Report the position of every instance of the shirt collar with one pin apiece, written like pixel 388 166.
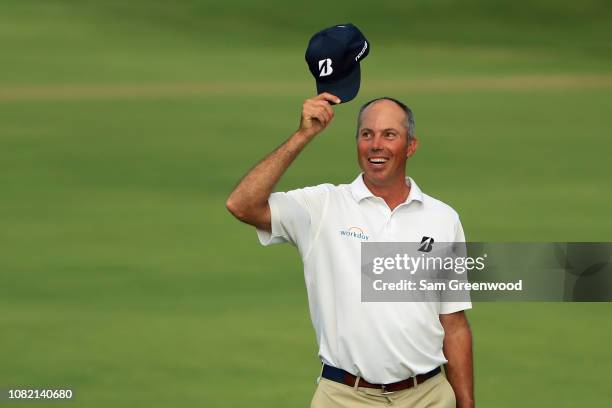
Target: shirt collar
pixel 361 191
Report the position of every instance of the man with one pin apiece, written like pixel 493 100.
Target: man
pixel 373 354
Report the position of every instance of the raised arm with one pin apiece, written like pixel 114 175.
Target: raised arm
pixel 249 200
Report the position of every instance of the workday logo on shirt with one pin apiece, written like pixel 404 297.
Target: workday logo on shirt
pixel 354 232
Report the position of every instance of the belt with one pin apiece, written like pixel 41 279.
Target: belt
pixel 344 377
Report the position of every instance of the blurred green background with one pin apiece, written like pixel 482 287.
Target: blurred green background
pixel 124 126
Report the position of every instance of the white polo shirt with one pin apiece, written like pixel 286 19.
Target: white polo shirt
pixel 382 342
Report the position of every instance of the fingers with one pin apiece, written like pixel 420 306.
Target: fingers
pixel 319 109
pixel 325 109
pixel 323 117
pixel 326 96
pixel 317 113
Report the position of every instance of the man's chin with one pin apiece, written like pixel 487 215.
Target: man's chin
pixel 378 178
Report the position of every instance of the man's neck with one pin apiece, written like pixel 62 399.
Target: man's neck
pixel 394 193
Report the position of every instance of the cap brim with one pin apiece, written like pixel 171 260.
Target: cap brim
pixel 346 88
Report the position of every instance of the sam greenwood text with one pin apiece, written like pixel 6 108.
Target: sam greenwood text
pixel 453 285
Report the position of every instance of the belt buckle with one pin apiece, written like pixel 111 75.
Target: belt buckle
pixel 384 391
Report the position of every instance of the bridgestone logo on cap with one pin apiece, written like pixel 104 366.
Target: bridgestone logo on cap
pixel 325 67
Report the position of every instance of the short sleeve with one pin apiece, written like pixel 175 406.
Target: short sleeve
pixel 294 215
pixel 452 307
pixel 459 234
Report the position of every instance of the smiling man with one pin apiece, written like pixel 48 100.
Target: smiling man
pixel 372 354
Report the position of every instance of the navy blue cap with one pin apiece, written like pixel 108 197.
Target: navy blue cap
pixel 333 57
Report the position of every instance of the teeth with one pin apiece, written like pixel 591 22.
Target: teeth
pixel 377 160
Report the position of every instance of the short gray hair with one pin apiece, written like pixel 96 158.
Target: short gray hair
pixel 408 121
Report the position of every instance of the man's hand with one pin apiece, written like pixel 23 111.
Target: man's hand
pixel 317 113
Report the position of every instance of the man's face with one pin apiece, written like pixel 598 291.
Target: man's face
pixel 382 143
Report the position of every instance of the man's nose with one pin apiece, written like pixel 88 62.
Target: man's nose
pixel 376 143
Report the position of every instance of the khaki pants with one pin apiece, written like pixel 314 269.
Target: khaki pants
pixel 433 393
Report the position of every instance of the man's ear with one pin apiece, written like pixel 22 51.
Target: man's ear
pixel 412 146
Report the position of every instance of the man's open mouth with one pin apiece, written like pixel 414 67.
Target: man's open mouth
pixel 378 161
